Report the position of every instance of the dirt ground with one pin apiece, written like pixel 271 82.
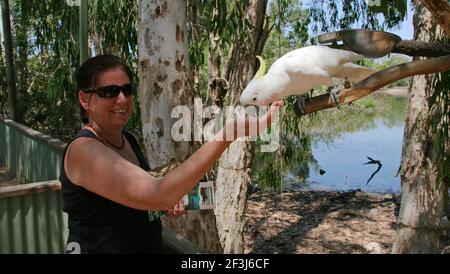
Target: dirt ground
pixel 303 222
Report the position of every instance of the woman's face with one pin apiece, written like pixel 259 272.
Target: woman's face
pixel 111 113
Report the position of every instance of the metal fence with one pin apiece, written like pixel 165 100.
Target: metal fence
pixel 28 154
pixel 31 216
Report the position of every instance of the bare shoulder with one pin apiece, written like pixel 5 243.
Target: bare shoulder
pixel 83 147
pixel 81 156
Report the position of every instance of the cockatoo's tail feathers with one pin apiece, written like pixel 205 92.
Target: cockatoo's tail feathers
pixel 262 68
pixel 353 72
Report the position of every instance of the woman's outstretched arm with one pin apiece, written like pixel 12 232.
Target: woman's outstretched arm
pixel 95 167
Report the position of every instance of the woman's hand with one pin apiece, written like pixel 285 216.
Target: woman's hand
pixel 178 210
pixel 251 126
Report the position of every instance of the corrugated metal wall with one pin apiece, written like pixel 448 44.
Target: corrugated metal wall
pixel 33 224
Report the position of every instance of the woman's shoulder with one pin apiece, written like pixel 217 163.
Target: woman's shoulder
pixel 84 140
pixel 85 144
pixel 82 136
pixel 84 147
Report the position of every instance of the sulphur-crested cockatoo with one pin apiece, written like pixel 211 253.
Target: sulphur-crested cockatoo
pixel 299 71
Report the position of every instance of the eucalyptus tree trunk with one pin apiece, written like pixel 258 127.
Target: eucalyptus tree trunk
pixel 163 75
pixel 217 84
pixel 440 10
pixel 1 34
pixel 20 33
pixel 165 83
pixel 9 61
pixel 233 173
pixel 95 44
pixel 422 203
pixel 2 65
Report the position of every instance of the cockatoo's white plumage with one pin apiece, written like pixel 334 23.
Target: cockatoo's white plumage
pixel 302 69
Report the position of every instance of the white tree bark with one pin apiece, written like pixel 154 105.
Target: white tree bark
pixel 233 177
pixel 163 75
pixel 422 203
pixel 164 84
pixel 233 173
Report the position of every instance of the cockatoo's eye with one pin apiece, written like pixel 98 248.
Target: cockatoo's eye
pixel 254 99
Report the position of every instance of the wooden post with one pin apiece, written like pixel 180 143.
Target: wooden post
pixel 83 31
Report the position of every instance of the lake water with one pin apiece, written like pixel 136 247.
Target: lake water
pixel 343 161
pixel 343 157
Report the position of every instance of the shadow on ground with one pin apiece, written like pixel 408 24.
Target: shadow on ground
pixel 321 222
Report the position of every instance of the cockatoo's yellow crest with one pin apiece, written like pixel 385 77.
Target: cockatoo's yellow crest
pixel 262 68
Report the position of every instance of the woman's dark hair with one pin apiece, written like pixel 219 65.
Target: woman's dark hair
pixel 87 75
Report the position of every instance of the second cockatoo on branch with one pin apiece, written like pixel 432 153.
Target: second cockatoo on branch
pixel 300 70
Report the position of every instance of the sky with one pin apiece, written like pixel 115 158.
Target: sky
pixel 406 30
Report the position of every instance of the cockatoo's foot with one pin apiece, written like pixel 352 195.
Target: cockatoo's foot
pixel 347 84
pixel 301 104
pixel 334 95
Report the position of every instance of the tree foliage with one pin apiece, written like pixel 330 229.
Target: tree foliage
pixel 219 17
pixel 47 55
pixel 329 15
pixel 439 120
pixel 113 24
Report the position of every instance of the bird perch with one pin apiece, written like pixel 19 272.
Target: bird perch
pixel 377 81
pixel 413 48
pixel 419 48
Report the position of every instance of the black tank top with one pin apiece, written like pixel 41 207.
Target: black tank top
pixel 99 225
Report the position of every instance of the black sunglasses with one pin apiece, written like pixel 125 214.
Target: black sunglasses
pixel 111 91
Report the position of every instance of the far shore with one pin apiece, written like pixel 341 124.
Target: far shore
pixel 395 91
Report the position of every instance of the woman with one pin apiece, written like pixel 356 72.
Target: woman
pixel 107 192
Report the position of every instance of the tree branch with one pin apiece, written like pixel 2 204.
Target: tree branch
pixel 413 48
pixel 419 48
pixel 377 81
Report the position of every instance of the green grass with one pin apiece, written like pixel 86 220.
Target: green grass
pixel 367 103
